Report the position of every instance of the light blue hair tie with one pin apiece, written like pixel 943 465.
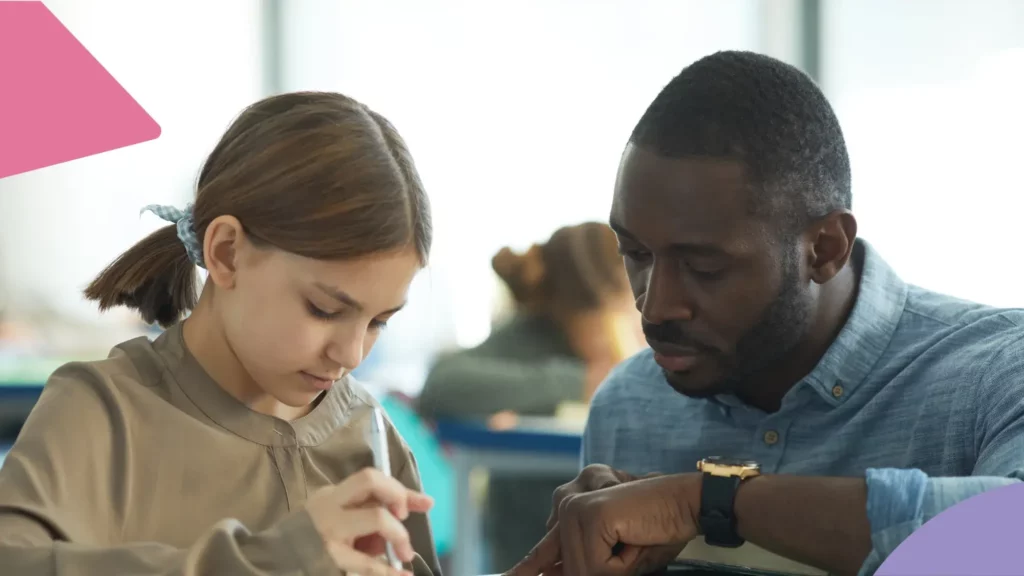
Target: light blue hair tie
pixel 186 229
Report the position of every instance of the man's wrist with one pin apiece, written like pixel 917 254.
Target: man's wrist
pixel 746 493
pixel 687 493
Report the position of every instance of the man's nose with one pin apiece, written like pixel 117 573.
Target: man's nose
pixel 666 297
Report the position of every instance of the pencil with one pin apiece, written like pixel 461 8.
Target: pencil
pixel 382 462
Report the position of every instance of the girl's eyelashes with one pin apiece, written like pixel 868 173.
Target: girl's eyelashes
pixel 320 313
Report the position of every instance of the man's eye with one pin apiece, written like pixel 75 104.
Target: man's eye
pixel 636 255
pixel 707 273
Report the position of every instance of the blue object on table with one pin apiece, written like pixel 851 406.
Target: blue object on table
pixel 16 402
pixel 521 439
pixel 20 390
pixel 435 472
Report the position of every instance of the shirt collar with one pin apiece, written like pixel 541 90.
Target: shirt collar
pixel 226 411
pixel 881 298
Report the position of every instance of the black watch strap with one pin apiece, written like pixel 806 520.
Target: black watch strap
pixel 717 518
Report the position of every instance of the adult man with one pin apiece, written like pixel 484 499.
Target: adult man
pixel 868 404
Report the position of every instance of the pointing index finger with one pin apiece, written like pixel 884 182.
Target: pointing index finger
pixel 542 558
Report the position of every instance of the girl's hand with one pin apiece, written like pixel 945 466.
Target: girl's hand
pixel 362 513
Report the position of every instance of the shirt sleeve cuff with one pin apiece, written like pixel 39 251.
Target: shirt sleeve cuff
pixel 895 497
pixel 895 509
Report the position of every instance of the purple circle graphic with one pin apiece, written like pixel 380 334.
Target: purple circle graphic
pixel 980 536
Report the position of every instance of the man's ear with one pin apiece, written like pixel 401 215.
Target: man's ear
pixel 831 240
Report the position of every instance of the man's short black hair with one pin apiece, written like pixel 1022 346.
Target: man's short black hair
pixel 764 113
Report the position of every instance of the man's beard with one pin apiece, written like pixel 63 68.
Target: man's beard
pixel 781 327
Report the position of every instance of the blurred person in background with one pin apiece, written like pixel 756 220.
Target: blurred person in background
pixel 574 320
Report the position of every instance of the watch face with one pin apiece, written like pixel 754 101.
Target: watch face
pixel 723 461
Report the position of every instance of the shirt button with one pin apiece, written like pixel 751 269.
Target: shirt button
pixel 837 390
pixel 771 437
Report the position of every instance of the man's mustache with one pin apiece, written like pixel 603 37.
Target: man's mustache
pixel 673 333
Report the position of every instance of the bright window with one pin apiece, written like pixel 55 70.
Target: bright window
pixel 930 93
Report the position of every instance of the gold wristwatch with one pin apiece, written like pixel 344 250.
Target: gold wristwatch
pixel 722 477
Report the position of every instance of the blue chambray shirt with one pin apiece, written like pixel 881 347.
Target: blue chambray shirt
pixel 922 394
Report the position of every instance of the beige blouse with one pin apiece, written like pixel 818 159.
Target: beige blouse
pixel 141 464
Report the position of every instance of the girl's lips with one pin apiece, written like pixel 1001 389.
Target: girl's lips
pixel 318 382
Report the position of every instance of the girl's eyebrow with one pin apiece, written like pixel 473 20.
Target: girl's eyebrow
pixel 344 298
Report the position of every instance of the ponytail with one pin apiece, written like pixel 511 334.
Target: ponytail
pixel 154 277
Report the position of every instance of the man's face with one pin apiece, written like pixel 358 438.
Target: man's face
pixel 721 296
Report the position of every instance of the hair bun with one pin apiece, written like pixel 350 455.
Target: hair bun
pixel 522 273
pixel 506 264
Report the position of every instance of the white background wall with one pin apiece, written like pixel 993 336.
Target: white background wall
pixel 192 64
pixel 930 93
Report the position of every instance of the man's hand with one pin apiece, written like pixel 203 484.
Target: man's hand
pixel 626 529
pixel 591 478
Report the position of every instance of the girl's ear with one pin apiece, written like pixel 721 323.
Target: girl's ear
pixel 221 245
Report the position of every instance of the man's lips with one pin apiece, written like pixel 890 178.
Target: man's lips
pixel 675 358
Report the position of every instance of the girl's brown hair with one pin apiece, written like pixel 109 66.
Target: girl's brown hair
pixel 576 270
pixel 313 173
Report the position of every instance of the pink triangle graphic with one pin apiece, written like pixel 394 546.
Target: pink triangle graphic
pixel 57 103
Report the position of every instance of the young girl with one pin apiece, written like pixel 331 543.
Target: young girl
pixel 234 443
